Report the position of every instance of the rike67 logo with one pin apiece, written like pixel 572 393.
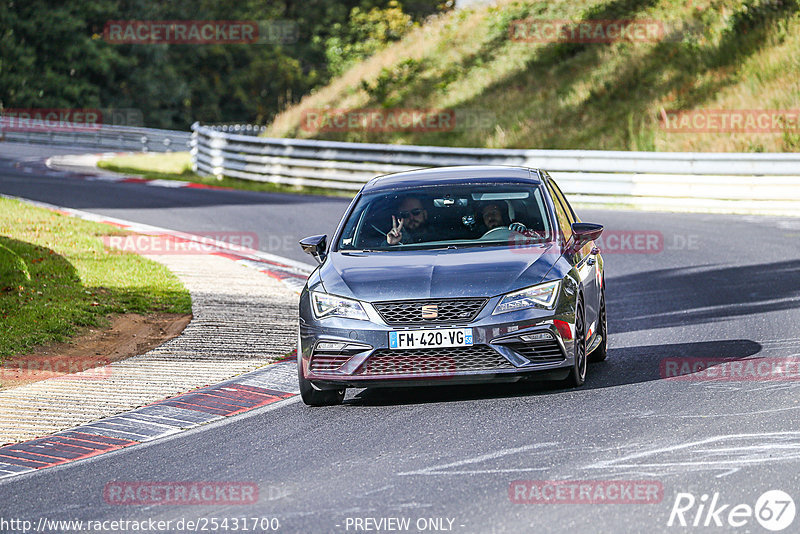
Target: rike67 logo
pixel 774 510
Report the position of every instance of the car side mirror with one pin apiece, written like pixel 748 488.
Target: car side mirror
pixel 583 232
pixel 315 245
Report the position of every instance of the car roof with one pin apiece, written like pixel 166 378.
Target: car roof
pixel 476 174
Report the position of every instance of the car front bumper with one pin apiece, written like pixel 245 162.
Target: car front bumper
pixel 498 353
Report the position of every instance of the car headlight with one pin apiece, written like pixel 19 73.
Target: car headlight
pixel 539 296
pixel 325 305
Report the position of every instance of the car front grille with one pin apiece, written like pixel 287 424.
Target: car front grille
pixel 439 361
pixel 539 352
pixel 409 312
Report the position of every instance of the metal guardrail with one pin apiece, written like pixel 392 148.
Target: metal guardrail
pixel 742 182
pixel 708 182
pixel 117 138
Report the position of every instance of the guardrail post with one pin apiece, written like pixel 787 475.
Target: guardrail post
pixel 217 153
pixel 193 147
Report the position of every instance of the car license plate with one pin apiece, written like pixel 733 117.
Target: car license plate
pixel 425 339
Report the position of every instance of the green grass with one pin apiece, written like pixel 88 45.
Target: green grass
pixel 178 166
pixel 171 165
pixel 717 54
pixel 56 276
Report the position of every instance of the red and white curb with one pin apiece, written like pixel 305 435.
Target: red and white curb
pixel 84 166
pixel 271 384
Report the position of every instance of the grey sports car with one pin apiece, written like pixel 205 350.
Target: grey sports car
pixel 449 276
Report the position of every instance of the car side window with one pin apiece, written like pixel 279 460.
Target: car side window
pixel 564 222
pixel 570 214
pixel 563 199
pixel 567 205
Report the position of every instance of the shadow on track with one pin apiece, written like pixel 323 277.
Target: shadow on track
pixel 678 297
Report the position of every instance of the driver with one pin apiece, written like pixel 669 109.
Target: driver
pixel 493 215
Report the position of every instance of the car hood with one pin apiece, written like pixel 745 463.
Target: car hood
pixel 420 274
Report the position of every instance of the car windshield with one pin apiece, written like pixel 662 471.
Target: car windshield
pixel 446 216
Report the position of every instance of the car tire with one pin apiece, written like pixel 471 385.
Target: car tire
pixel 318 397
pixel 601 351
pixel 312 396
pixel 577 374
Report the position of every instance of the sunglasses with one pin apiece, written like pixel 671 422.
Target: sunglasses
pixel 415 212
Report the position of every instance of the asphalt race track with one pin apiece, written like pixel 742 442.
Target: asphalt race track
pixel 709 286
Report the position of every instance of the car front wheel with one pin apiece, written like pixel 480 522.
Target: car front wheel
pixel 577 375
pixel 601 351
pixel 318 397
pixel 312 396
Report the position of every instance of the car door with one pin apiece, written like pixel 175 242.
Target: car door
pixel 583 259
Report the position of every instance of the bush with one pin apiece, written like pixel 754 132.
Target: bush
pixel 365 33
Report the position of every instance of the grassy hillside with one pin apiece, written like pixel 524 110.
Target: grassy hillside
pixel 715 54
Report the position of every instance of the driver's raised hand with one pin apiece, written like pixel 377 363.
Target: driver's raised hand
pixel 395 235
